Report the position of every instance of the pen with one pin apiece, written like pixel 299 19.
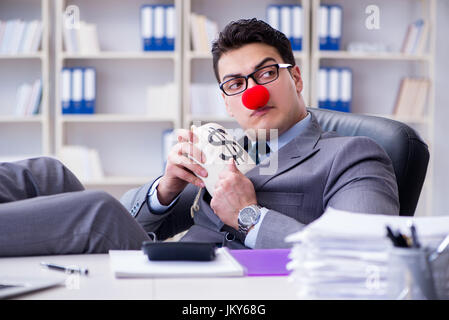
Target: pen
pixel 392 237
pixel 416 243
pixel 398 240
pixel 66 269
pixel 441 247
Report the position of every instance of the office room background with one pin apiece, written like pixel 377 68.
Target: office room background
pixel 85 82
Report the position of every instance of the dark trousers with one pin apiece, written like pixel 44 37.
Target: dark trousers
pixel 44 210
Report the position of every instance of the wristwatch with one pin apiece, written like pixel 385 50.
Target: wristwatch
pixel 248 217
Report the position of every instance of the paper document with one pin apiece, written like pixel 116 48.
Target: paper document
pixel 135 264
pixel 344 255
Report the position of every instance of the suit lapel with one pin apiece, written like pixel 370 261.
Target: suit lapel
pixel 296 151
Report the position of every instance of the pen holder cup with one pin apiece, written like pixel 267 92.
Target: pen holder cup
pixel 412 276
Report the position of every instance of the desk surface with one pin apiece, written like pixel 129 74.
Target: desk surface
pixel 101 283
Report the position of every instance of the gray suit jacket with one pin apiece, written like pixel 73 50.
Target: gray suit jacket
pixel 315 170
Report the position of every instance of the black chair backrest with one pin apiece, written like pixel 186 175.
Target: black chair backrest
pixel 407 151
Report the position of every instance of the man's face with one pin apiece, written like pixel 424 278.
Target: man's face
pixel 283 109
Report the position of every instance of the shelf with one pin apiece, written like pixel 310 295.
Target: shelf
pixel 370 56
pixel 37 55
pixel 119 181
pixel 106 118
pixel 20 119
pixel 122 55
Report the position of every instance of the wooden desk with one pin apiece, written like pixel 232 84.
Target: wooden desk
pixel 101 283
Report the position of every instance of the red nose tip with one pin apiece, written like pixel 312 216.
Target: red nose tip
pixel 255 97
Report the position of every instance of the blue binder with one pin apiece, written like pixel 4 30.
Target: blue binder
pixel 333 91
pixel 170 27
pixel 335 27
pixel 345 89
pixel 159 27
pixel 323 87
pixel 66 90
pixel 89 90
pixel 76 105
pixel 147 27
pixel 297 27
pixel 323 29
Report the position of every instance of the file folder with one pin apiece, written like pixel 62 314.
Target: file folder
pixel 89 91
pixel 170 27
pixel 263 262
pixel 66 75
pixel 147 27
pixel 286 22
pixel 297 22
pixel 77 90
pixel 333 88
pixel 345 89
pixel 323 27
pixel 323 88
pixel 273 16
pixel 335 23
pixel 159 28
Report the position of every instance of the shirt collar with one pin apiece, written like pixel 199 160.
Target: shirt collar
pixel 291 133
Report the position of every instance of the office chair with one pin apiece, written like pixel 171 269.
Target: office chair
pixel 407 151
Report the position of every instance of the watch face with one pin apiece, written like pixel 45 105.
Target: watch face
pixel 248 216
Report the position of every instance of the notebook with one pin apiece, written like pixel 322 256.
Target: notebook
pixel 135 264
pixel 263 262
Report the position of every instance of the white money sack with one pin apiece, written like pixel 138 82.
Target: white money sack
pixel 219 147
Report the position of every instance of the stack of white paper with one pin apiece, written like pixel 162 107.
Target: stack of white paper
pixel 344 255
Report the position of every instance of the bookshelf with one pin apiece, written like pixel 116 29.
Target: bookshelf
pixel 24 136
pixel 197 66
pixel 387 67
pixel 127 138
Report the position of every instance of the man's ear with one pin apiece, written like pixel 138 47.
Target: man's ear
pixel 296 75
pixel 228 109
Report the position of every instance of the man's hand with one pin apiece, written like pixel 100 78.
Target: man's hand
pixel 180 169
pixel 233 192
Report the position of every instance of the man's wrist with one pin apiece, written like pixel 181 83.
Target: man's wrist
pixel 154 204
pixel 165 196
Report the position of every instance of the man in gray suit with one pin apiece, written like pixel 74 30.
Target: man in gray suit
pixel 315 169
pixel 45 210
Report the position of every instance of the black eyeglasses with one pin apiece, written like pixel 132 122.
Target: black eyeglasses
pixel 263 75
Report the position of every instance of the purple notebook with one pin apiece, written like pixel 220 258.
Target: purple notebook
pixel 263 262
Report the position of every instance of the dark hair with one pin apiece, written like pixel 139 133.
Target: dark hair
pixel 244 31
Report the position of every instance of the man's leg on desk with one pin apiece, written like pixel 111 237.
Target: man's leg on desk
pixel 45 210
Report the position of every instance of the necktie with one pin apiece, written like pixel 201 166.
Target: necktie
pixel 253 150
pixel 260 153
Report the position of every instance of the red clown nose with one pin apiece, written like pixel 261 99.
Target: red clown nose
pixel 255 97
